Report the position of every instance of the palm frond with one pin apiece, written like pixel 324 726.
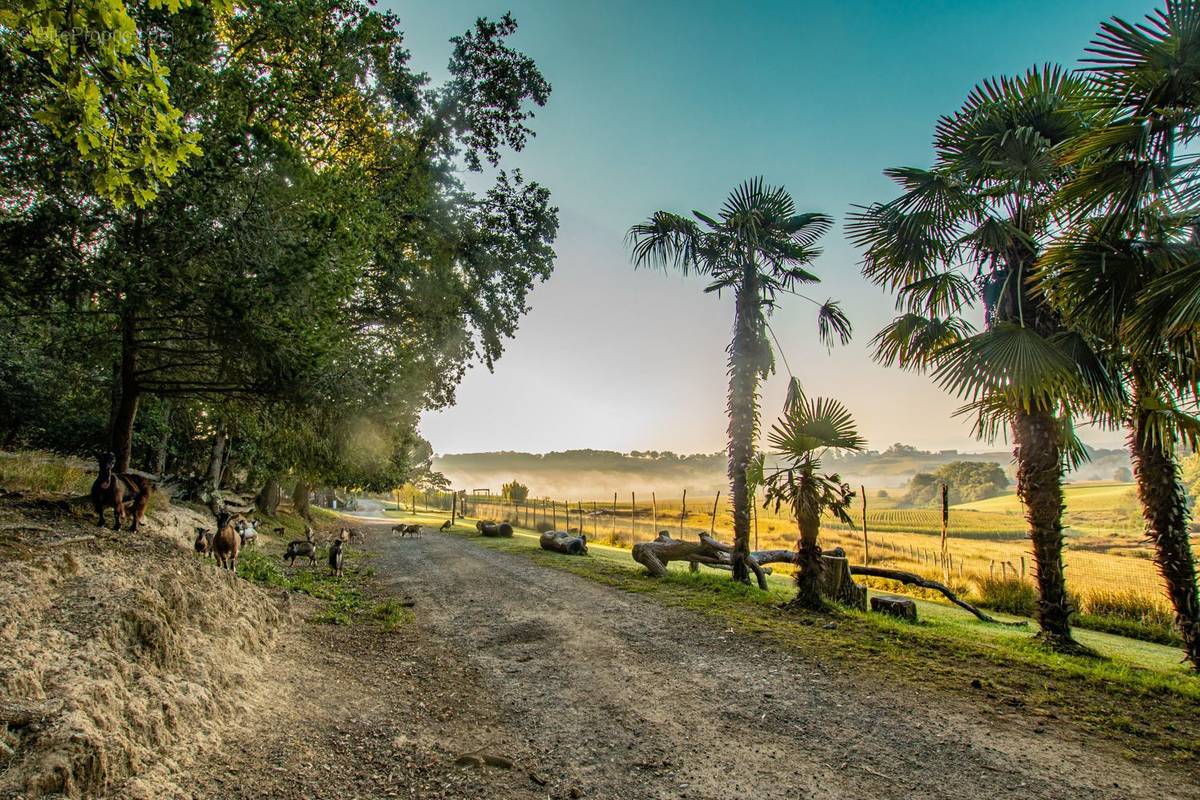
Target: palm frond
pixel 1009 361
pixel 832 323
pixel 811 425
pixel 667 240
pixel 913 341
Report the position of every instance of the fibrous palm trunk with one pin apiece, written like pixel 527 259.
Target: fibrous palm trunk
pixel 808 558
pixel 1039 485
pixel 743 418
pixel 1165 508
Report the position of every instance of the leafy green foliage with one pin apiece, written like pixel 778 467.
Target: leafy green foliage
pixel 514 491
pixel 311 280
pixel 90 78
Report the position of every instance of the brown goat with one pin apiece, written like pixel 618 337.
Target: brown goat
pixel 121 490
pixel 226 542
pixel 203 543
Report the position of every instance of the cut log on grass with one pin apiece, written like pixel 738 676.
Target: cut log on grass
pixel 563 542
pixel 899 607
pixel 912 579
pixel 494 529
pixel 655 555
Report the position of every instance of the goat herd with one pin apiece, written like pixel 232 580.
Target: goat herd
pixel 128 494
pixel 235 532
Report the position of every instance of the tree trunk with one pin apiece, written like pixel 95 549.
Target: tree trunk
pixel 267 500
pixel 216 460
pixel 127 401
pixel 1164 506
pixel 743 415
pixel 300 498
pixel 808 560
pixel 1039 485
pixel 160 452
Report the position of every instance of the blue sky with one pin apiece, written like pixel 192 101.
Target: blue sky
pixel 670 105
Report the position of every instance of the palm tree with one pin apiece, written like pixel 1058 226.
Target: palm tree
pixel 807 429
pixel 968 232
pixel 757 247
pixel 1127 272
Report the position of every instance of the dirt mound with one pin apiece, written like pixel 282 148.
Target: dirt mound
pixel 120 655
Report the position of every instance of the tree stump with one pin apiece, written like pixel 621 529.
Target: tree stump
pixel 837 584
pixel 900 607
pixel 564 542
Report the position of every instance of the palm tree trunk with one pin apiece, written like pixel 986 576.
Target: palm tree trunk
pixel 1164 506
pixel 1039 485
pixel 808 561
pixel 743 417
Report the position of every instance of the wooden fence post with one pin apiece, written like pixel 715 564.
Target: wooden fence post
pixel 945 525
pixel 682 513
pixel 712 523
pixel 632 516
pixel 654 506
pixel 612 534
pixel 866 547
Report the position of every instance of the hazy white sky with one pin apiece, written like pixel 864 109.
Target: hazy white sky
pixel 670 105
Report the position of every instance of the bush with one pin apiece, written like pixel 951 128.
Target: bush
pixel 1007 595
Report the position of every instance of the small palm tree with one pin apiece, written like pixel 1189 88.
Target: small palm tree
pixel 757 248
pixel 804 433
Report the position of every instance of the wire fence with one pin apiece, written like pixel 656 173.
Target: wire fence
pixel 977 545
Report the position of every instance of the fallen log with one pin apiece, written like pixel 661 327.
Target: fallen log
pixel 655 555
pixel 912 579
pixel 494 529
pixel 563 542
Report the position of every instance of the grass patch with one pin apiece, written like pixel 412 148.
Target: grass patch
pixel 948 650
pixel 342 599
pixel 391 614
pixel 1008 595
pixel 1129 613
pixel 35 471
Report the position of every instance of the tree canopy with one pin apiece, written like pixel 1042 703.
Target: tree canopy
pixel 312 271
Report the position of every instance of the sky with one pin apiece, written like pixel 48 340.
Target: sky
pixel 670 105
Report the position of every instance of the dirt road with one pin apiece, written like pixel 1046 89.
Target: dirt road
pixel 592 692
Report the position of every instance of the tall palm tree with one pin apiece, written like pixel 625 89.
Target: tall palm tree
pixel 805 432
pixel 757 248
pixel 1128 272
pixel 968 232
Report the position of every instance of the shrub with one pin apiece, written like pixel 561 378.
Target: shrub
pixel 1007 595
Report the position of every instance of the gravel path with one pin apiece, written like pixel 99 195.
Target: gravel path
pixel 593 692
